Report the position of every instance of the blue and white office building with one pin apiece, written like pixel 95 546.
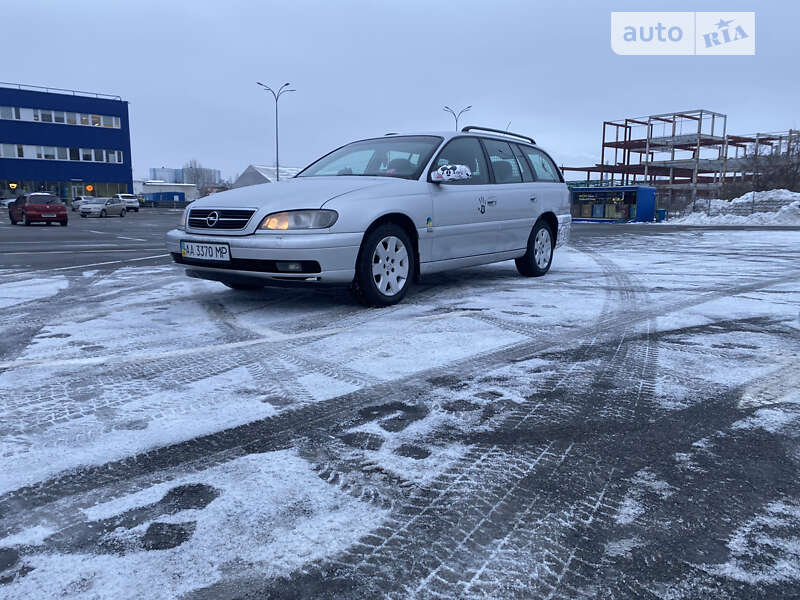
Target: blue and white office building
pixel 67 142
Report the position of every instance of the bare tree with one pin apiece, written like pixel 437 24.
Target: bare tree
pixel 194 172
pixel 765 169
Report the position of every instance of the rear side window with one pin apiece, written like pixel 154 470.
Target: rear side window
pixel 543 168
pixel 504 163
pixel 464 151
pixel 523 163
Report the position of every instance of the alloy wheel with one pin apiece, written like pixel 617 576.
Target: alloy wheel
pixel 542 248
pixel 390 265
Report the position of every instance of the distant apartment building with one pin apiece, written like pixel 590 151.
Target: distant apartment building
pixel 200 176
pixel 67 142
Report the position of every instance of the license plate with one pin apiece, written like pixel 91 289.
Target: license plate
pixel 203 251
pixel 48 216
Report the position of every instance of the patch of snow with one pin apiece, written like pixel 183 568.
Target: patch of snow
pixel 628 511
pixel 273 515
pixel 772 420
pixel 766 549
pixel 786 215
pixel 19 292
pixel 621 548
pixel 30 536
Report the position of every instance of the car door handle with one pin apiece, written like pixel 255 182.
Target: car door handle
pixel 533 198
pixel 491 201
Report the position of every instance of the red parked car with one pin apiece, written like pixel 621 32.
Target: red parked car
pixel 37 207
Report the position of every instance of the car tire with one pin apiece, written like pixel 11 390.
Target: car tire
pixel 26 220
pixel 385 266
pixel 244 287
pixel 12 219
pixel 539 256
pixel 83 216
pixel 63 223
pixel 103 213
pixel 122 213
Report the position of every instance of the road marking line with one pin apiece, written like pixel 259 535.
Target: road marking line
pixel 122 237
pixel 34 252
pixel 109 262
pixel 93 231
pixel 96 360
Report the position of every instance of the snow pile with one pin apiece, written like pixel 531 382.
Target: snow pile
pixel 772 207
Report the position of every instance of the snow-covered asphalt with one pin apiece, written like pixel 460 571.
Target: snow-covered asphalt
pixel 625 427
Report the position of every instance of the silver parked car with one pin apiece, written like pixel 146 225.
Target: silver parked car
pixel 103 207
pixel 380 213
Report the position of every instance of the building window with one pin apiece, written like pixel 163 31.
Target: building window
pixel 61 153
pixel 49 152
pixel 86 154
pixel 20 151
pixel 43 115
pixel 8 150
pixel 99 155
pixel 74 154
pixel 111 156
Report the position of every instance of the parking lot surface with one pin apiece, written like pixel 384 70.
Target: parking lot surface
pixel 624 427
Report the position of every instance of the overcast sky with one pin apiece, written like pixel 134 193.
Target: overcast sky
pixel 360 68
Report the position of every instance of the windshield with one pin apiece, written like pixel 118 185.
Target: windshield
pixel 96 201
pixel 403 157
pixel 43 200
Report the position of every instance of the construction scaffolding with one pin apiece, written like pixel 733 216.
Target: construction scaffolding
pixel 685 155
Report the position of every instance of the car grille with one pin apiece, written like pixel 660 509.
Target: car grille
pixel 226 219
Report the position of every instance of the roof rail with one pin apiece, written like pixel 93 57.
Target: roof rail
pixel 500 131
pixel 39 88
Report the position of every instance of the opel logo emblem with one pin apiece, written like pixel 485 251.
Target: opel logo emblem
pixel 212 218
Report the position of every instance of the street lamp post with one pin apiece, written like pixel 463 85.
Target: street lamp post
pixel 456 115
pixel 276 96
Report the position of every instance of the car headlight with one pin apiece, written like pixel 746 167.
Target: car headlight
pixel 300 219
pixel 183 216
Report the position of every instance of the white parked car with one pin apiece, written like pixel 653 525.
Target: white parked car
pixel 103 207
pixel 78 200
pixel 382 212
pixel 131 202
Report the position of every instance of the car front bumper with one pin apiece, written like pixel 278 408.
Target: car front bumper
pixel 253 257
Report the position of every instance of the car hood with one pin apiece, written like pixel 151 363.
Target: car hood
pixel 294 193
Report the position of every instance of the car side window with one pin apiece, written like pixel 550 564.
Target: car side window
pixel 464 151
pixel 543 167
pixel 504 163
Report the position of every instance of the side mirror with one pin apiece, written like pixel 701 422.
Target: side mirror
pixel 447 173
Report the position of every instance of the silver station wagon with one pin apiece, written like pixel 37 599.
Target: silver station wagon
pixel 378 214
